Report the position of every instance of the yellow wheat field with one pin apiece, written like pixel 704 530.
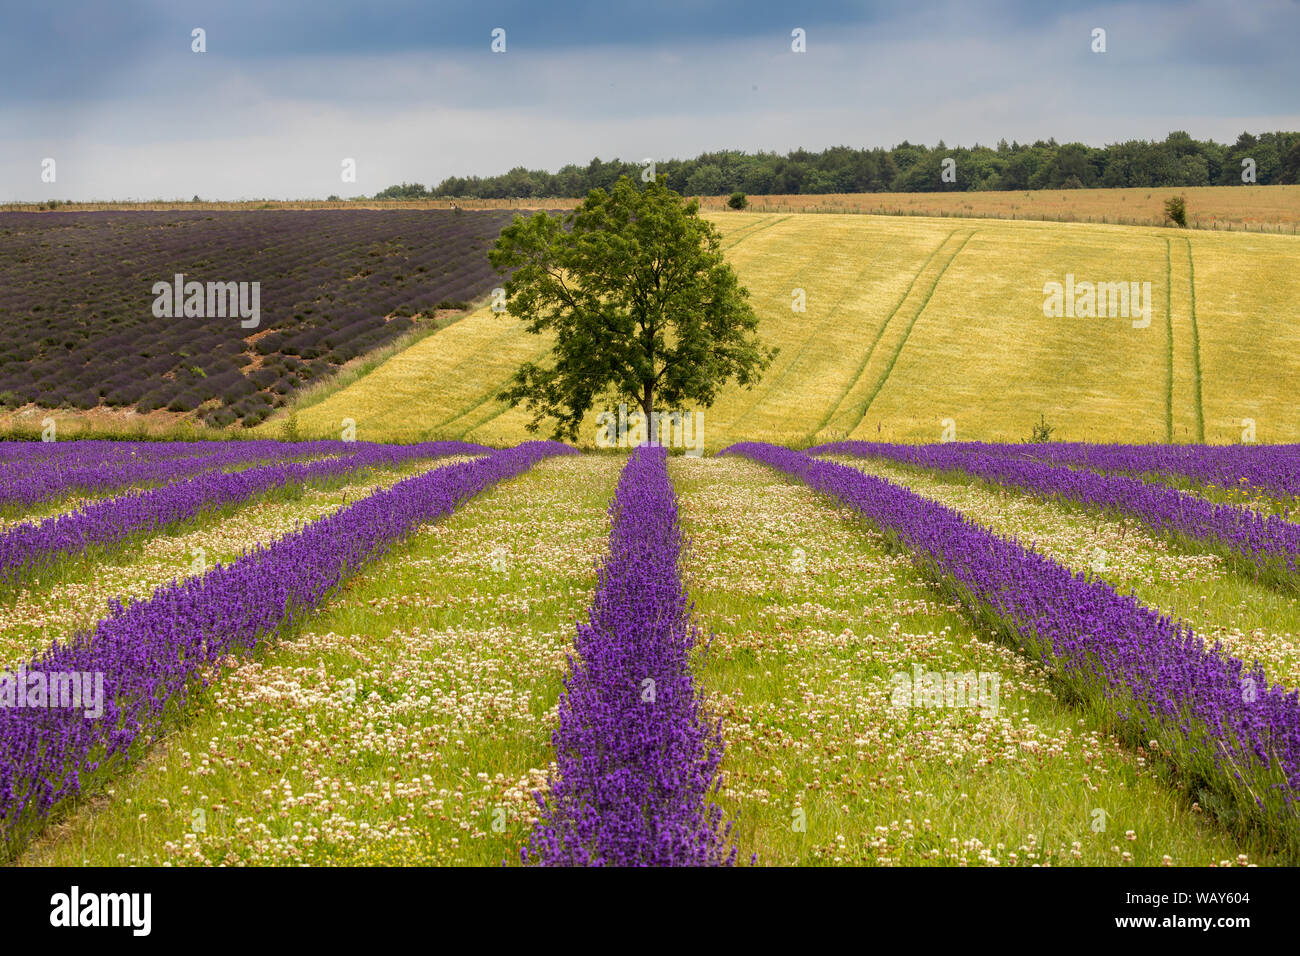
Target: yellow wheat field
pixel 1274 208
pixel 915 329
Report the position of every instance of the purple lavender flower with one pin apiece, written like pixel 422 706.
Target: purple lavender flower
pixel 635 758
pixel 1264 546
pixel 155 654
pixel 1223 725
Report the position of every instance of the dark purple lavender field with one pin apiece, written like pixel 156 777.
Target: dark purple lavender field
pixel 81 318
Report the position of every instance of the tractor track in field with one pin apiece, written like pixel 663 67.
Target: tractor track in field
pixel 812 334
pixel 752 232
pixel 875 342
pixel 489 396
pixel 907 333
pixel 1182 353
pixel 1169 327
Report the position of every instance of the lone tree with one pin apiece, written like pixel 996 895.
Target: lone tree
pixel 642 304
pixel 1176 209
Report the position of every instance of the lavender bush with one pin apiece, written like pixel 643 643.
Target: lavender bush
pixel 1221 724
pixel 156 654
pixel 27 549
pixel 635 758
pixel 96 470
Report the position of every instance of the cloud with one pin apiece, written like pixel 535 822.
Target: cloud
pixel 274 115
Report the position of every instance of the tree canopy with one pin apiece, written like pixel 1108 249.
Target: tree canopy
pixel 641 301
pixel 1179 160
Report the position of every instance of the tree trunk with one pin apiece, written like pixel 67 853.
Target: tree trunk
pixel 647 406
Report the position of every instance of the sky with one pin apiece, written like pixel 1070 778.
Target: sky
pixel 285 93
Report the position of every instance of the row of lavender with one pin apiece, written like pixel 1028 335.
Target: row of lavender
pixel 28 549
pixel 1266 546
pixel 635 758
pixel 99 450
pixel 98 467
pixel 1273 469
pixel 154 655
pixel 1223 725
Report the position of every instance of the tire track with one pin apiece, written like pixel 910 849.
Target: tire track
pixel 893 359
pixel 1196 347
pixel 857 376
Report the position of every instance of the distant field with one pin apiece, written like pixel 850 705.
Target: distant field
pixel 1247 208
pixel 917 325
pixel 249 204
pixel 308 292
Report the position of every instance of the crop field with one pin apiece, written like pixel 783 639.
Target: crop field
pixel 1261 208
pixel 865 621
pixel 917 329
pixel 953 654
pixel 1274 208
pixel 252 305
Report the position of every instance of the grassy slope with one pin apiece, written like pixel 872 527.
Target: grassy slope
pixel 911 321
pixel 1252 620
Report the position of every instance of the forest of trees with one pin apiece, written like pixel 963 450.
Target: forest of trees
pixel 1178 161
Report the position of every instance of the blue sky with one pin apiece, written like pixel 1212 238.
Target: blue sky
pixel 412 91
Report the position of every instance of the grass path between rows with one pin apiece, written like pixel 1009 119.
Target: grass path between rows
pixel 406 724
pixel 1251 620
pixel 811 621
pixel 74 594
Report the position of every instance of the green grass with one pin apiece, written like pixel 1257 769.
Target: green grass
pixel 1252 620
pixel 409 720
pixel 455 661
pixel 804 646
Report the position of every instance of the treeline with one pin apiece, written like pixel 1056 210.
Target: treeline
pixel 1178 161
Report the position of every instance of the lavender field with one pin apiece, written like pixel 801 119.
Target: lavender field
pixel 735 439
pixel 342 653
pixel 257 304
